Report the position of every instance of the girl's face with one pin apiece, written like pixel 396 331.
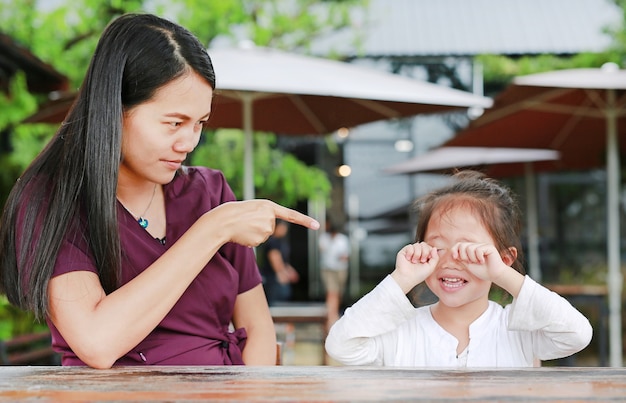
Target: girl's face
pixel 451 282
pixel 158 134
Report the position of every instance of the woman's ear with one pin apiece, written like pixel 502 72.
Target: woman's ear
pixel 509 256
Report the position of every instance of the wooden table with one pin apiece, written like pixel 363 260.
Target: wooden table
pixel 310 384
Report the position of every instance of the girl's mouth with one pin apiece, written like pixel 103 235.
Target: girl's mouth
pixel 452 282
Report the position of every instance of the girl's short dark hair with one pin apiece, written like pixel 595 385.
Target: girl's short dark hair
pixel 492 201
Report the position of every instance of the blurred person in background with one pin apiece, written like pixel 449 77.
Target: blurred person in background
pixel 278 274
pixel 335 255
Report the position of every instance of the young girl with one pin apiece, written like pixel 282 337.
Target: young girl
pixel 467 238
pixel 133 258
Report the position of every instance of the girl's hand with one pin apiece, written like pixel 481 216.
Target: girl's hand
pixel 481 259
pixel 414 263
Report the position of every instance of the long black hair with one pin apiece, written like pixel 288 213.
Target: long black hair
pixel 72 182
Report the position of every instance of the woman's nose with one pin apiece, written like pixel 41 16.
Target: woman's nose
pixel 183 146
pixel 187 142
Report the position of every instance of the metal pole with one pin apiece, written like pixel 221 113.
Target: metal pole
pixel 532 223
pixel 248 148
pixel 317 210
pixel 614 277
pixel 353 214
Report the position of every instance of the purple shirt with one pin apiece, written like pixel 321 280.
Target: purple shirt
pixel 196 330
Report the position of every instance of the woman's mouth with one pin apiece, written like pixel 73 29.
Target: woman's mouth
pixel 173 164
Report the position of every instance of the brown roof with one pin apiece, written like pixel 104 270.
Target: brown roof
pixel 40 76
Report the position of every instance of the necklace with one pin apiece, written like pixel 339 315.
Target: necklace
pixel 143 222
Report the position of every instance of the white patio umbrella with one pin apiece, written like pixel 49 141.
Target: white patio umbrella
pixel 582 114
pixel 448 158
pixel 261 89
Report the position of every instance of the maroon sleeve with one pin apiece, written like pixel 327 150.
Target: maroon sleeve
pixel 74 255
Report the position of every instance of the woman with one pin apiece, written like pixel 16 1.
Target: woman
pixel 131 257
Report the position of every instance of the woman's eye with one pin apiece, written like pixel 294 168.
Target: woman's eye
pixel 176 124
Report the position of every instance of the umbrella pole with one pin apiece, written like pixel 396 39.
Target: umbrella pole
pixel 248 156
pixel 354 263
pixel 614 277
pixel 531 223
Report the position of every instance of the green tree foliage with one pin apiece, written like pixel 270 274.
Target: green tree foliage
pixel 14 321
pixel 499 70
pixel 15 106
pixel 278 176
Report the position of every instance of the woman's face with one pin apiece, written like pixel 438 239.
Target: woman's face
pixel 451 281
pixel 158 134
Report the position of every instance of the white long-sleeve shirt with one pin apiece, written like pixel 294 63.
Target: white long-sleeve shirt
pixel 383 328
pixel 335 251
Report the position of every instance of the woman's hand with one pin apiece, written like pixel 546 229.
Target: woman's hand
pixel 251 222
pixel 414 263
